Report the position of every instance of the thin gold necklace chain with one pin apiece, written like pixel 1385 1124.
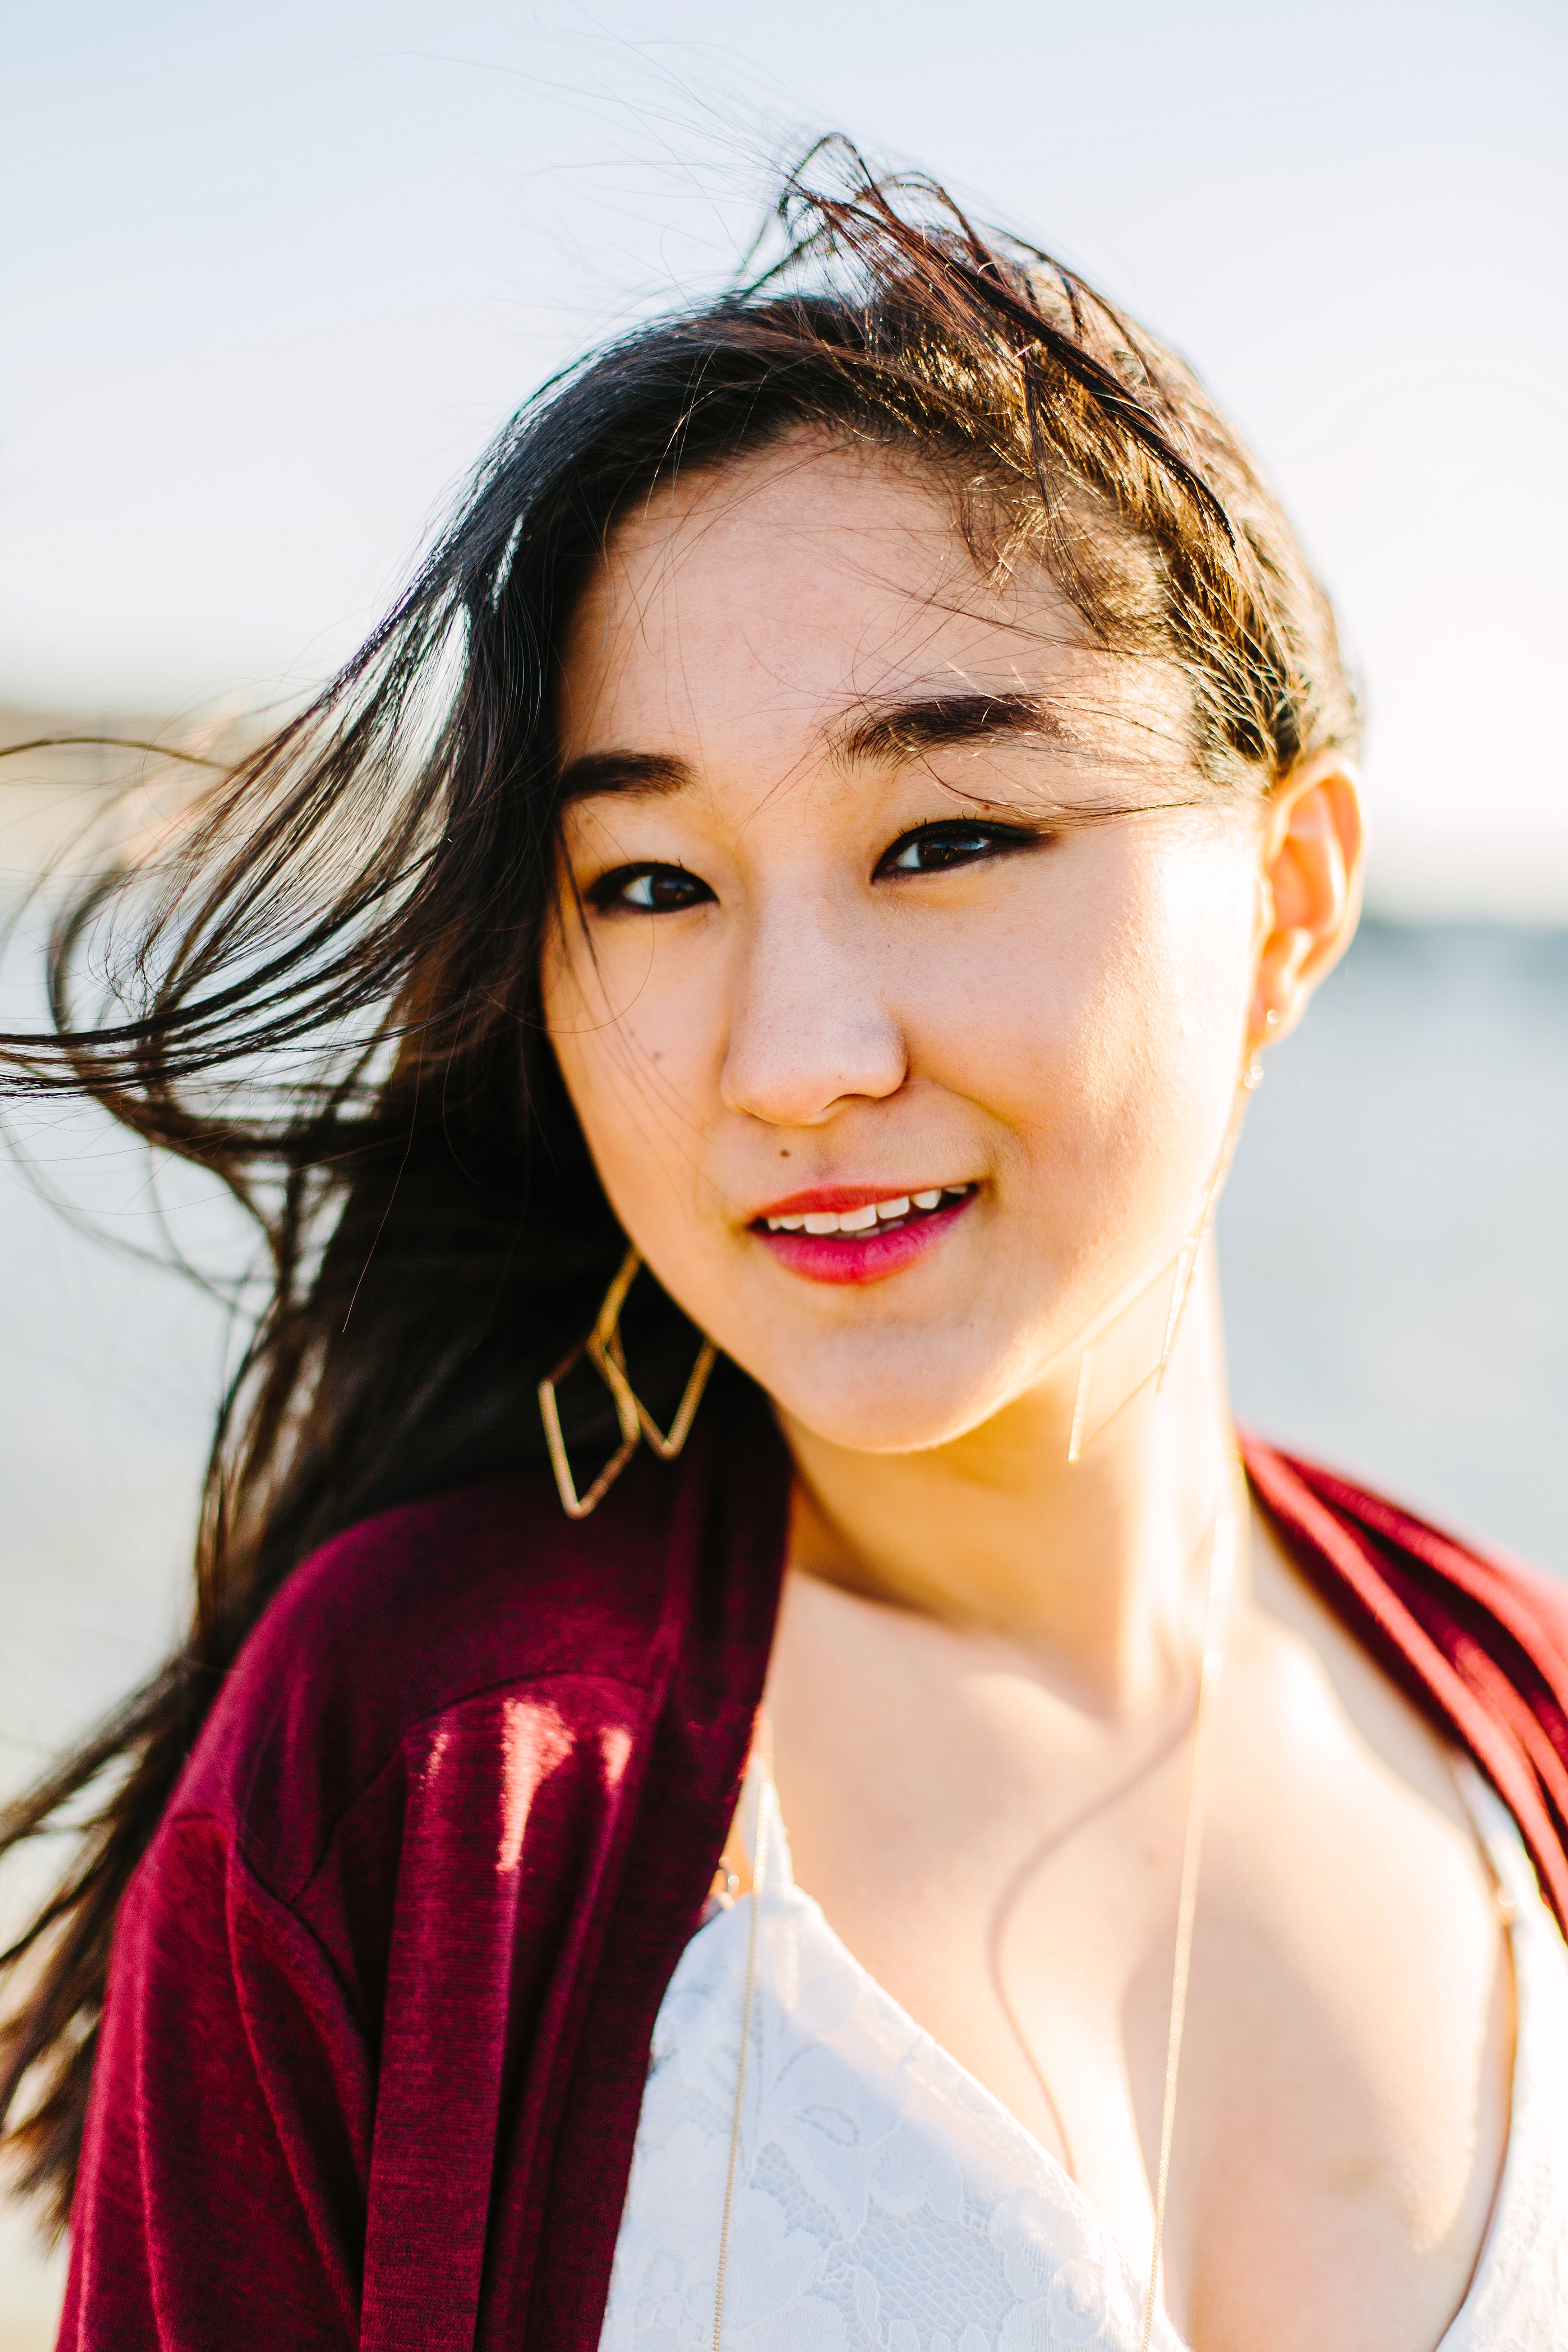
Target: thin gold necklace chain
pixel 1222 1551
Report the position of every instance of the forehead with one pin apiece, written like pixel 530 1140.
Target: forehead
pixel 799 583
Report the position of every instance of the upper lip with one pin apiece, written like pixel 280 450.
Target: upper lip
pixel 824 1197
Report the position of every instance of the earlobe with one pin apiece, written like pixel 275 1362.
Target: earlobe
pixel 1311 874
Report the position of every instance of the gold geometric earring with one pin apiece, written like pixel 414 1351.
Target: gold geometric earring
pixel 1187 1264
pixel 1152 1347
pixel 604 1351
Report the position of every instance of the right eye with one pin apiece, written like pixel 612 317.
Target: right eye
pixel 649 890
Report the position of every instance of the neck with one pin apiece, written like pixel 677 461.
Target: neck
pixel 1097 1567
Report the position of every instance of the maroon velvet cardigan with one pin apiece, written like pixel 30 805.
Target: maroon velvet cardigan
pixel 383 1988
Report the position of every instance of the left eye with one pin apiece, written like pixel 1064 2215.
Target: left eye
pixel 936 847
pixel 650 890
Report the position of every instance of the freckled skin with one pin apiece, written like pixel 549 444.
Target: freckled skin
pixel 980 1642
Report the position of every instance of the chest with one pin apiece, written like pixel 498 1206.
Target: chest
pixel 812 2167
pixel 1344 2086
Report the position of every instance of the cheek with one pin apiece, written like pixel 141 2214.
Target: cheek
pixel 1161 1053
pixel 637 1061
pixel 1102 1029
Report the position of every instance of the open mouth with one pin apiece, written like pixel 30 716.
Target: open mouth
pixel 864 1240
pixel 873 1216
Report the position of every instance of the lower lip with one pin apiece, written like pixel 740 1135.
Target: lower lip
pixel 870 1257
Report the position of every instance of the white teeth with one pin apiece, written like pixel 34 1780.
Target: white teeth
pixel 862 1220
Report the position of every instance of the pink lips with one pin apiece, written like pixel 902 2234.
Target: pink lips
pixel 870 1257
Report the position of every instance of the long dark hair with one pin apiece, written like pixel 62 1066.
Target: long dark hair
pixel 325 988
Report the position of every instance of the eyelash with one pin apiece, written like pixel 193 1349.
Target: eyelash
pixel 609 895
pixel 997 839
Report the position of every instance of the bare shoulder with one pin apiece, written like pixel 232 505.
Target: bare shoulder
pixel 1352 2029
pixel 1315 1652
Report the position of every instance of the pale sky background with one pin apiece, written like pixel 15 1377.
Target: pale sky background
pixel 271 275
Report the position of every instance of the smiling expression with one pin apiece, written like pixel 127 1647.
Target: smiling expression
pixel 902 958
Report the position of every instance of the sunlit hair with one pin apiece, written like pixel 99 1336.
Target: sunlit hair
pixel 326 988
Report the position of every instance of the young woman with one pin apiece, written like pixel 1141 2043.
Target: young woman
pixel 805 1796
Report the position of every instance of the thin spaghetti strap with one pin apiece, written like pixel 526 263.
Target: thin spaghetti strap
pixel 1498 1842
pixel 760 1802
pixel 1229 1520
pixel 763 1808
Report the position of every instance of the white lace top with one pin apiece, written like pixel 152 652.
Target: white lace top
pixel 884 2201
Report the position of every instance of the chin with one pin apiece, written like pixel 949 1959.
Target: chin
pixel 899 1408
pixel 903 1428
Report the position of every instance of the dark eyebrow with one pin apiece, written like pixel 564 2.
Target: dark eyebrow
pixel 903 730
pixel 623 771
pixel 891 732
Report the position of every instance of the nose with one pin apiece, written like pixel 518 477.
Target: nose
pixel 811 1026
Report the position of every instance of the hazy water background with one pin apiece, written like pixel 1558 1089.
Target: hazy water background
pixel 1394 1237
pixel 1395 1248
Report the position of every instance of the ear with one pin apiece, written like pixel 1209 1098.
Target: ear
pixel 1310 896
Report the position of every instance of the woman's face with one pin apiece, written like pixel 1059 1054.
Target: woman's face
pixel 848 935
